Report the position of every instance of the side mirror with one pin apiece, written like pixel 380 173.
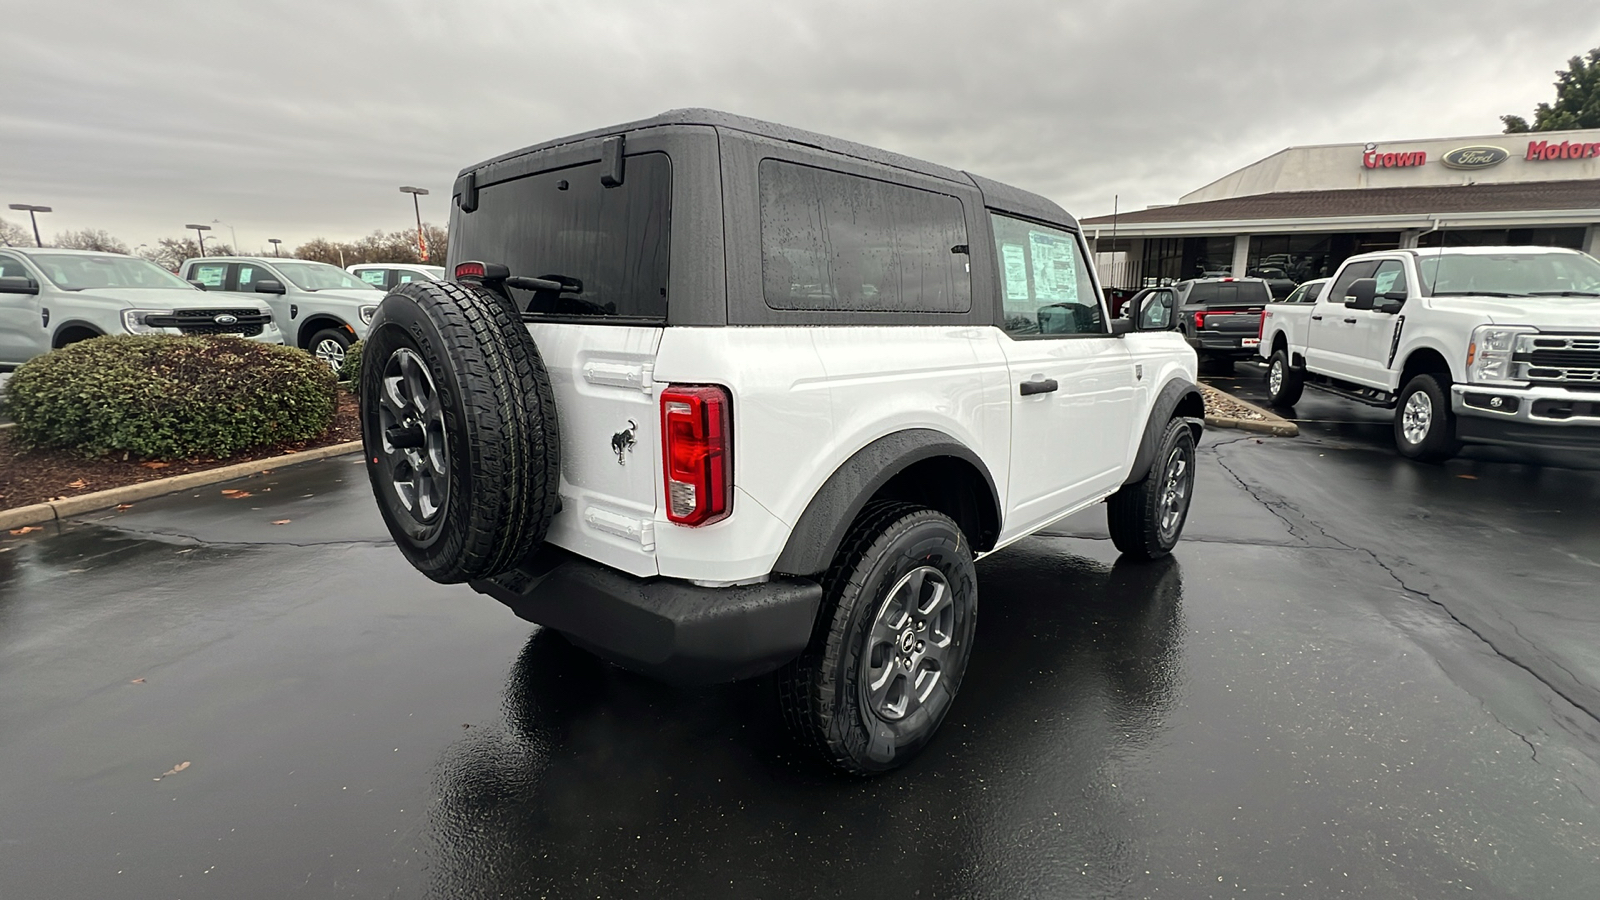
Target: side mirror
pixel 18 284
pixel 1361 293
pixel 270 286
pixel 1120 327
pixel 1389 304
pixel 199 285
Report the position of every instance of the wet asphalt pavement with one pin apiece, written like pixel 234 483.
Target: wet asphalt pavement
pixel 1358 676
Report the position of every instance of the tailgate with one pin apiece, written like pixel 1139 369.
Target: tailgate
pixel 610 449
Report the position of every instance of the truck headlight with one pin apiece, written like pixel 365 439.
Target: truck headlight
pixel 367 312
pixel 135 321
pixel 1489 356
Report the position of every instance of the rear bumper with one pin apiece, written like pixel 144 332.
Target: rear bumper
pixel 662 627
pixel 1554 418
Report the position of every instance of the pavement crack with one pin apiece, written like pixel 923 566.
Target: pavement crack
pixel 206 543
pixel 1274 507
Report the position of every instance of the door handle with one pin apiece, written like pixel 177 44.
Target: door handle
pixel 1316 318
pixel 1042 386
pixel 1349 321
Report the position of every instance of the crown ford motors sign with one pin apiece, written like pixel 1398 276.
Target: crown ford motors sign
pixel 1481 157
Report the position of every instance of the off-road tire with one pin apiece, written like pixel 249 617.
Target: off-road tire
pixel 1290 384
pixel 822 694
pixel 499 418
pixel 1139 515
pixel 1438 442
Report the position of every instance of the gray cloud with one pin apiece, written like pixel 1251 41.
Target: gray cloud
pixel 293 119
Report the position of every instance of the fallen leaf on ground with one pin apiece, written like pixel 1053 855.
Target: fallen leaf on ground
pixel 229 492
pixel 266 471
pixel 174 770
pixel 281 521
pixel 236 495
pixel 124 506
pixel 1468 477
pixel 25 529
pixel 154 465
pixel 137 681
pixel 78 485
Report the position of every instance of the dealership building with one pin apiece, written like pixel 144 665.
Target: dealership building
pixel 1300 212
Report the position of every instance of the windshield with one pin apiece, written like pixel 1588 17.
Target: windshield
pixel 1510 274
pixel 315 276
pixel 76 272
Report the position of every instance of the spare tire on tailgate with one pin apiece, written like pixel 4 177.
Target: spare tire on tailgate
pixel 459 425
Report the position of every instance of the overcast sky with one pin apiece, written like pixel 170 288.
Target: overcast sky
pixel 294 119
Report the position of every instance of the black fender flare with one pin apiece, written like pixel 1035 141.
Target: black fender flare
pixel 1178 398
pixel 55 333
pixel 820 529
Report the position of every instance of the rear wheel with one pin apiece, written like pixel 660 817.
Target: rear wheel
pixel 1285 383
pixel 1424 425
pixel 459 425
pixel 1146 518
pixel 891 643
pixel 329 345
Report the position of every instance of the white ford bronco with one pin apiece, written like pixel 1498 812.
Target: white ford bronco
pixel 714 398
pixel 1491 345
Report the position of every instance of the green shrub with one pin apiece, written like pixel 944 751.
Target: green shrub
pixel 350 369
pixel 164 397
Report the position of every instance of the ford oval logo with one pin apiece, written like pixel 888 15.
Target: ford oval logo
pixel 226 319
pixel 1474 157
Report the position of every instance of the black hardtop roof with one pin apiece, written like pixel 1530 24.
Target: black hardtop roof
pixel 998 195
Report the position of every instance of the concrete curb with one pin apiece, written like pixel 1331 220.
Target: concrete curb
pixel 1274 424
pixel 57 510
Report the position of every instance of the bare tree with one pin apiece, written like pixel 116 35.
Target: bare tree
pixel 170 253
pixel 12 235
pixel 378 247
pixel 89 239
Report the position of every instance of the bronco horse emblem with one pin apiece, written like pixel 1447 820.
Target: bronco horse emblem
pixel 622 443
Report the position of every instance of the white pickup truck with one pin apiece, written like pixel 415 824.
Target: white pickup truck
pixel 1491 345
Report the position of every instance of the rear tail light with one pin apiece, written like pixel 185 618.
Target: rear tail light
pixel 469 270
pixel 697 453
pixel 1199 320
pixel 482 271
pixel 1261 328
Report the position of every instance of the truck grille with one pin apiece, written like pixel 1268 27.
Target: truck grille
pixel 250 322
pixel 1572 360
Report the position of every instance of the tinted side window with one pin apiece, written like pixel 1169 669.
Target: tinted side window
pixel 12 268
pixel 1313 292
pixel 1045 280
pixel 1390 276
pixel 1351 272
pixel 831 241
pixel 1204 293
pixel 615 241
pixel 250 273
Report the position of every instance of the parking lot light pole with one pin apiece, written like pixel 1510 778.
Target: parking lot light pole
pixel 33 217
pixel 274 242
pixel 234 234
pixel 416 205
pixel 201 230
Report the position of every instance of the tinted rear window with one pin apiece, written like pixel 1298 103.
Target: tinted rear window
pixel 564 222
pixel 831 241
pixel 1225 293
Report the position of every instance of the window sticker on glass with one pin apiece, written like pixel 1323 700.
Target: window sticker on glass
pixel 1055 274
pixel 210 276
pixel 1015 260
pixel 372 276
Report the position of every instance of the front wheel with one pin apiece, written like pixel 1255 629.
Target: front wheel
pixel 1424 426
pixel 892 640
pixel 1285 383
pixel 329 345
pixel 1146 518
